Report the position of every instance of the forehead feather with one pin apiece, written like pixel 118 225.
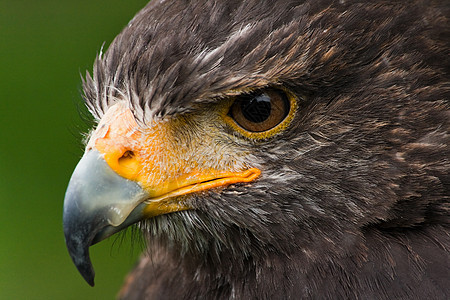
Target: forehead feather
pixel 174 53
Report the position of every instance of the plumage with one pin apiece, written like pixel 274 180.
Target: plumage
pixel 353 197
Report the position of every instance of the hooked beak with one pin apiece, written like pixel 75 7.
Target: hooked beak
pixel 98 203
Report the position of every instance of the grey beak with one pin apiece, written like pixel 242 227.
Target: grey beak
pixel 98 203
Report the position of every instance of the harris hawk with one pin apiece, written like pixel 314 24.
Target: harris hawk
pixel 271 150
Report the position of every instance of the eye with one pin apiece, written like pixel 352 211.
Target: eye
pixel 260 111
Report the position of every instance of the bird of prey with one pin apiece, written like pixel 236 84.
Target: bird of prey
pixel 272 150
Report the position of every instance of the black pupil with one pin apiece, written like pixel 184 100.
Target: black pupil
pixel 257 108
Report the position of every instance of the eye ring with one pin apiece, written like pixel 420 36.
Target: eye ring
pixel 262 113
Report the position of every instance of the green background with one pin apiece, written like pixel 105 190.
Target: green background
pixel 44 46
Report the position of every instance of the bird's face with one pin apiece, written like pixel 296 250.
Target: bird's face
pixel 249 124
pixel 132 172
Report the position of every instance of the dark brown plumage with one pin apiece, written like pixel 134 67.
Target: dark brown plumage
pixel 353 197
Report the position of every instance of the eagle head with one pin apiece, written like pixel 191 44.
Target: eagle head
pixel 253 141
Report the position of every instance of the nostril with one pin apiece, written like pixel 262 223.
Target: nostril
pixel 127 165
pixel 126 156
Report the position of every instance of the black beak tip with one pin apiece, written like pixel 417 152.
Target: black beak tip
pixel 87 272
pixel 80 257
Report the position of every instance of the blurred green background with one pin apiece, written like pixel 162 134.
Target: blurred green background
pixel 44 46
